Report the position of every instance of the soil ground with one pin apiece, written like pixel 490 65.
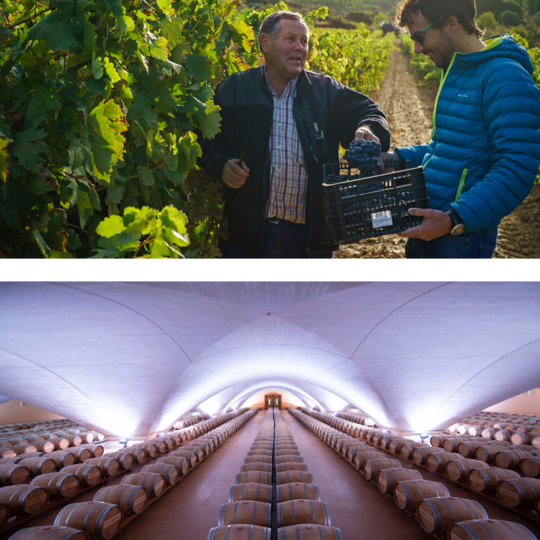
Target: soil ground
pixel 409 108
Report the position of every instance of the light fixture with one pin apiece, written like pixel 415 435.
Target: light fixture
pixel 123 441
pixel 385 431
pixel 423 436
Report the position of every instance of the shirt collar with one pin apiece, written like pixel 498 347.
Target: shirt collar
pixel 289 89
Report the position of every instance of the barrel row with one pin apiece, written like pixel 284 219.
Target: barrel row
pixel 357 418
pixel 112 507
pixel 512 422
pixel 204 426
pixel 46 441
pixel 190 419
pixel 516 436
pixel 451 460
pixel 274 476
pixel 429 502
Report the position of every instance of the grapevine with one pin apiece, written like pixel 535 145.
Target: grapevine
pixel 103 104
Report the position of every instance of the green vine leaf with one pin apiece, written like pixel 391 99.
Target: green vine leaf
pixel 105 127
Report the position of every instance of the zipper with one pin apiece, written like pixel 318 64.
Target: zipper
pixel 461 183
pixel 443 80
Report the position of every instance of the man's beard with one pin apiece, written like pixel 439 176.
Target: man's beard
pixel 444 53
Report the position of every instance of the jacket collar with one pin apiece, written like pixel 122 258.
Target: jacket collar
pixel 302 84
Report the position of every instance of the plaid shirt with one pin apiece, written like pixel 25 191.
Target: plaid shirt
pixel 288 176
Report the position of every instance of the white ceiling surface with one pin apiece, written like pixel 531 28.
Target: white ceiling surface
pixel 130 358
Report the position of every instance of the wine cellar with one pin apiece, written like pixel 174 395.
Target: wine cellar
pixel 270 411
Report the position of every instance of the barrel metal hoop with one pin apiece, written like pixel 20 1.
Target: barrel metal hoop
pixel 100 519
pixel 486 529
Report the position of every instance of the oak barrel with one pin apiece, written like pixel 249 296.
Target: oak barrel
pixel 258 477
pixel 530 466
pixel 374 467
pixel 125 459
pixel 420 455
pixel 256 466
pixel 7 453
pixel 438 461
pixel 438 514
pixel 250 492
pixel 131 499
pixel 510 459
pixel 50 532
pixel 289 458
pixel 297 490
pixel 245 512
pixel 409 493
pixel 300 511
pixel 169 472
pixel 487 480
pixel 360 459
pixel 389 478
pixel 39 465
pixel 258 459
pixel 288 466
pixel 12 473
pixel 287 452
pixel 154 483
pixel 239 532
pixel 138 454
pixel 309 532
pixel 44 446
pixel 396 444
pixel 97 449
pixel 408 449
pixel 59 443
pixel 290 477
pixel 57 484
pixel 80 452
pixel 187 454
pixel 459 469
pixel 23 499
pixel 108 466
pixel 23 448
pixel 489 529
pixel 98 519
pixel 181 463
pixel 519 492
pixel 5 514
pixel 88 475
pixel 62 459
pixel 149 448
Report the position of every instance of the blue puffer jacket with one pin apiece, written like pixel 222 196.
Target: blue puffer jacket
pixel 485 148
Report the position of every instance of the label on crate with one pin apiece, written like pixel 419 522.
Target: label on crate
pixel 381 219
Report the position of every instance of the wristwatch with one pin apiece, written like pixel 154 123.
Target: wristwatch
pixel 456 224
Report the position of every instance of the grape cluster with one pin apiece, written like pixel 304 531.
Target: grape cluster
pixel 363 155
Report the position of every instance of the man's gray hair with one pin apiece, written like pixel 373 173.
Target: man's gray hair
pixel 271 23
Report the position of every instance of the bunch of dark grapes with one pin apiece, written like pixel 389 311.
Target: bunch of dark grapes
pixel 363 155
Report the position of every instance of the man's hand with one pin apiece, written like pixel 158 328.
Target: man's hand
pixel 387 156
pixel 234 175
pixel 363 132
pixel 435 224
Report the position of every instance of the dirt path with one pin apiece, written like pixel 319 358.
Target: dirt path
pixel 409 108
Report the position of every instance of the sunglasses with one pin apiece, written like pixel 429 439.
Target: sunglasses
pixel 419 36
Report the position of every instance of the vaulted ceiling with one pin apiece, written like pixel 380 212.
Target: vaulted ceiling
pixel 130 358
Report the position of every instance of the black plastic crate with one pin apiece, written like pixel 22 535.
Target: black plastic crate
pixel 372 206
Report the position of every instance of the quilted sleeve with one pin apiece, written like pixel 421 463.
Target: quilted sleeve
pixel 511 110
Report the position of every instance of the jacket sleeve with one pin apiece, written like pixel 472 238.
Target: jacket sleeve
pixel 414 154
pixel 214 153
pixel 352 110
pixel 511 109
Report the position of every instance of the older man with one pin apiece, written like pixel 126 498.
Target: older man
pixel 485 149
pixel 286 122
